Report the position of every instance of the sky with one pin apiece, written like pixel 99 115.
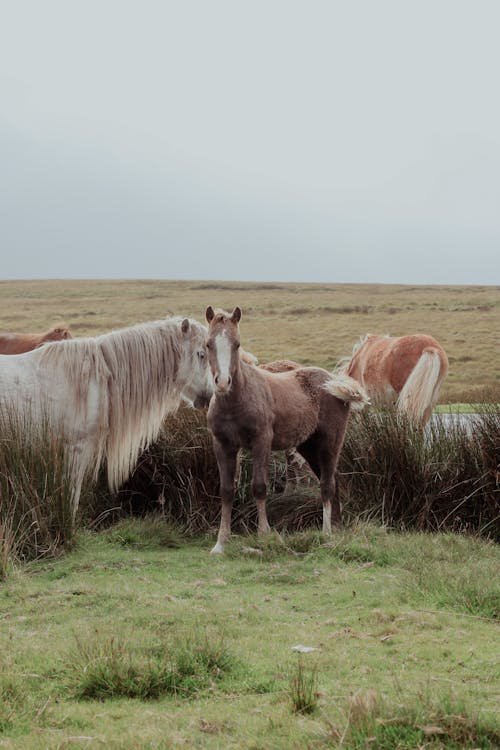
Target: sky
pixel 262 140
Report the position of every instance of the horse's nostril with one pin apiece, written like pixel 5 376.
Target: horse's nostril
pixel 216 380
pixel 229 380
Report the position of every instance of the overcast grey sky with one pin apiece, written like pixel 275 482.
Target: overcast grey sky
pixel 353 141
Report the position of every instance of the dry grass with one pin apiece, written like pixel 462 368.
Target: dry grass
pixel 312 323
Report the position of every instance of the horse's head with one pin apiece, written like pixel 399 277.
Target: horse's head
pixel 223 344
pixel 58 334
pixel 199 383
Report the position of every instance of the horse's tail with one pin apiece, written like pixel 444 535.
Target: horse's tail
pixel 347 389
pixel 420 392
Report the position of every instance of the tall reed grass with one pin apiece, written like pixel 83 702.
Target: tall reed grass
pixel 443 478
pixel 36 515
pixel 446 477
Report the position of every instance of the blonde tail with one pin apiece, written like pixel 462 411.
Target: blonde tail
pixel 347 389
pixel 420 392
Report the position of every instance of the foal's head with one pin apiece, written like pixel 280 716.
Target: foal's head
pixel 223 344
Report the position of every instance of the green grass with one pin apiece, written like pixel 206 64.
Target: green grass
pixel 142 645
pixel 412 722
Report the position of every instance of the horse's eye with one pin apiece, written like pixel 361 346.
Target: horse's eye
pixel 201 355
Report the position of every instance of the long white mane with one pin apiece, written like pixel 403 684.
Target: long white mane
pixel 109 395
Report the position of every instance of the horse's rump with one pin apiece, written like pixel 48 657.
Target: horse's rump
pixel 408 370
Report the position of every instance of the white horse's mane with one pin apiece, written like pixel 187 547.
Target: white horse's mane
pixel 132 373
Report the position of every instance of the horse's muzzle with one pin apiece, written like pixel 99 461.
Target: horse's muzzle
pixel 202 400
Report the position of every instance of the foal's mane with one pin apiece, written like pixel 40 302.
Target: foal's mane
pixel 134 370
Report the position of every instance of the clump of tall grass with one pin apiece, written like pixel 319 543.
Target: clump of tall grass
pixel 145 533
pixel 107 667
pixel 177 476
pixel 303 688
pixel 36 514
pixel 446 477
pixel 418 722
pixel 443 478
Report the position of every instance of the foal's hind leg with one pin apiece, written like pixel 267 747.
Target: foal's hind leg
pixel 227 463
pixel 323 462
pixel 260 459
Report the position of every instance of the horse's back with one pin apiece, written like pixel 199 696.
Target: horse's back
pixel 17 343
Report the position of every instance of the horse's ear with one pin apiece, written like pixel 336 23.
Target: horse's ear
pixel 236 315
pixel 185 325
pixel 209 314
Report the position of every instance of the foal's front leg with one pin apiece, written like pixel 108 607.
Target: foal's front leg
pixel 260 457
pixel 227 462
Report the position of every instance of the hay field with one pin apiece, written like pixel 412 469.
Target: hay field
pixel 312 323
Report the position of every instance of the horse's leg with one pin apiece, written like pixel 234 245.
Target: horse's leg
pixel 227 463
pixel 322 458
pixel 260 460
pixel 332 509
pixel 296 471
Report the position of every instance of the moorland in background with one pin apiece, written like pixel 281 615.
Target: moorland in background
pixel 311 323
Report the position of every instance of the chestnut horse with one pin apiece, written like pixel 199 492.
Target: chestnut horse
pixel 406 370
pixel 19 343
pixel 252 408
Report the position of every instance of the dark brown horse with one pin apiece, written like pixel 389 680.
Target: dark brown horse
pixel 306 408
pixel 19 343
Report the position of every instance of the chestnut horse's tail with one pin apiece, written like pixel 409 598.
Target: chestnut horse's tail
pixel 420 392
pixel 347 389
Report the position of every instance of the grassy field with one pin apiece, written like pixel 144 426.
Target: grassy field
pixel 312 323
pixel 139 639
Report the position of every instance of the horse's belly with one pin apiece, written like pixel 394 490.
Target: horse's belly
pixel 288 433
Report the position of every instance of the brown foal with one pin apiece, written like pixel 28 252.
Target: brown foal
pixel 262 411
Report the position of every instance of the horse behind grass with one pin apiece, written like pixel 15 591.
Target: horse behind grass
pixel 106 397
pixel 406 370
pixel 262 411
pixel 19 343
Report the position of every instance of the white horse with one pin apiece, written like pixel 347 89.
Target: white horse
pixel 107 396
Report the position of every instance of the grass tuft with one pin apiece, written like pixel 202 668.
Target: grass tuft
pixel 105 668
pixel 371 723
pixel 144 533
pixel 303 688
pixel 36 509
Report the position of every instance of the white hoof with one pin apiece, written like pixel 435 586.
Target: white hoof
pixel 217 550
